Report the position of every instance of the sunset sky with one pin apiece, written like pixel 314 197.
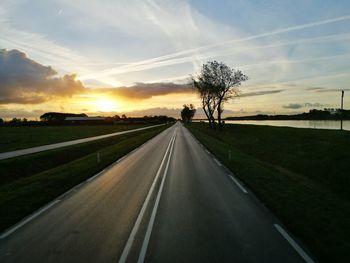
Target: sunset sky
pixel 110 57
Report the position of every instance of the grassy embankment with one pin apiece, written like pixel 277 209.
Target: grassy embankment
pixel 15 138
pixel 29 182
pixel 302 175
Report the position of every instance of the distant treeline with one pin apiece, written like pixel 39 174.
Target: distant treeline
pixel 59 118
pixel 326 114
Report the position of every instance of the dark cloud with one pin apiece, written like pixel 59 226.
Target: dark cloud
pixel 332 90
pixel 260 93
pixel 326 90
pixel 148 90
pixel 315 88
pixel 303 105
pixel 25 81
pixel 293 106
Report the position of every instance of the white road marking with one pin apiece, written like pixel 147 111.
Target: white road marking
pixel 154 211
pixel 76 188
pixel 131 238
pixel 28 219
pixel 96 175
pixel 207 151
pixel 218 163
pixel 121 159
pixel 238 184
pixel 290 240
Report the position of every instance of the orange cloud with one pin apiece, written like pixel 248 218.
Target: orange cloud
pixel 141 91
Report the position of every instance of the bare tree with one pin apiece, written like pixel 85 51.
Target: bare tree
pixel 216 84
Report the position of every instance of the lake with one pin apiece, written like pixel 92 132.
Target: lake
pixel 327 124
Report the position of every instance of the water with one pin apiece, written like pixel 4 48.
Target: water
pixel 327 124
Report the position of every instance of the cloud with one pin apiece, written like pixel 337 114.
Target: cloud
pixel 303 105
pixel 317 105
pixel 147 90
pixel 293 106
pixel 260 93
pixel 20 113
pixel 331 90
pixel 25 81
pixel 206 51
pixel 317 89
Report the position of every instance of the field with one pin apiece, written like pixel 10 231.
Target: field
pixel 15 138
pixel 31 181
pixel 301 175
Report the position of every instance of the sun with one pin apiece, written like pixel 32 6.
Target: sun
pixel 106 105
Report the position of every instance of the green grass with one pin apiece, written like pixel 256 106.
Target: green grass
pixel 22 196
pixel 302 175
pixel 12 169
pixel 15 138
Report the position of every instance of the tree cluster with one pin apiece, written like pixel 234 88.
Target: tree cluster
pixel 187 113
pixel 216 84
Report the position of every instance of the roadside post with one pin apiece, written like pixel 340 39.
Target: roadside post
pixel 341 110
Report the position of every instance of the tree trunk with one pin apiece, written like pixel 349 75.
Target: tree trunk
pixel 210 111
pixel 219 116
pixel 208 117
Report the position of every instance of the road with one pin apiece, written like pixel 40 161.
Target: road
pixel 42 148
pixel 168 201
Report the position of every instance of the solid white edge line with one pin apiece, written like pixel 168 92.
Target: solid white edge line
pixel 238 184
pixel 93 177
pixel 134 230
pixel 290 240
pixel 154 211
pixel 207 151
pixel 218 163
pixel 28 219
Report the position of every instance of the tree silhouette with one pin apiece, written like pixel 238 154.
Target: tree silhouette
pixel 187 113
pixel 216 84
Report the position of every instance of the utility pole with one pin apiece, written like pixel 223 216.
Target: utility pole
pixel 341 110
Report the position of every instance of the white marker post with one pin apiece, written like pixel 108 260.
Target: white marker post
pixel 341 110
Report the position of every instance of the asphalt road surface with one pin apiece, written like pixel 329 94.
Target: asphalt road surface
pixel 168 201
pixel 42 148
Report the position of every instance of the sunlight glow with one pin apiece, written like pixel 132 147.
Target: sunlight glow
pixel 106 105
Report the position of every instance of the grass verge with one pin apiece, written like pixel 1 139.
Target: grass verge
pixel 13 169
pixel 300 174
pixel 27 194
pixel 16 138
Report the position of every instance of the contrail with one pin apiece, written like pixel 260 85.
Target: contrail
pixel 299 79
pixel 126 68
pixel 296 61
pixel 215 54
